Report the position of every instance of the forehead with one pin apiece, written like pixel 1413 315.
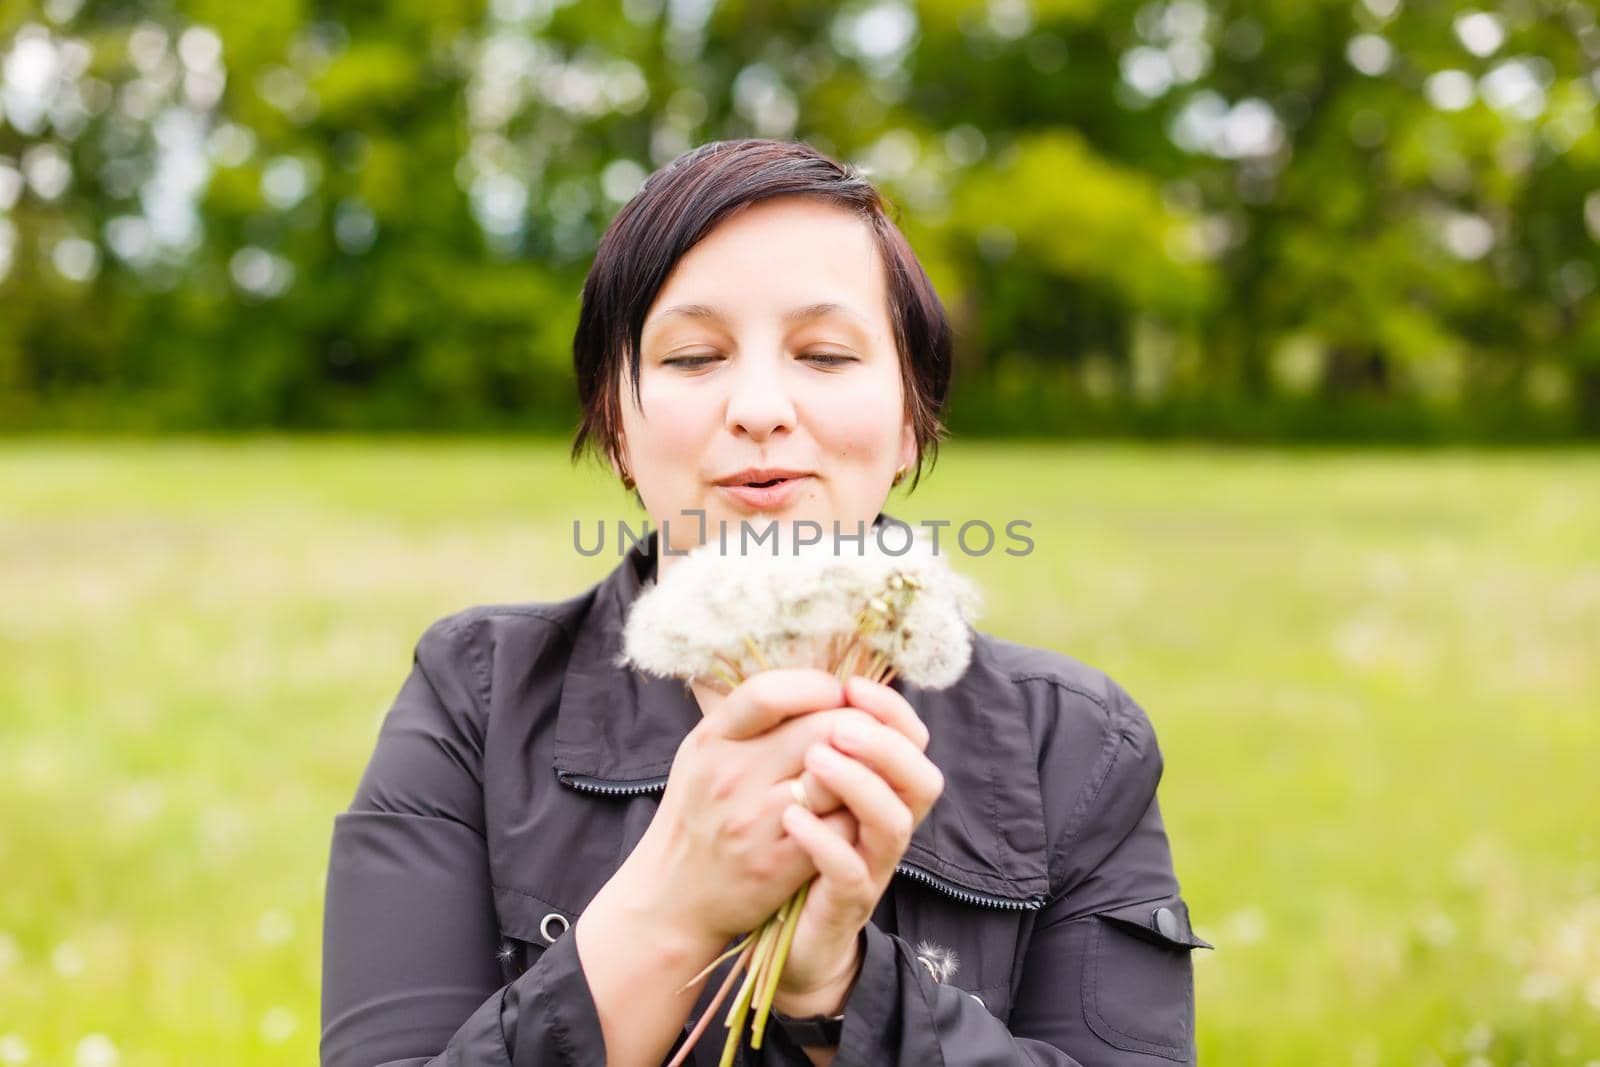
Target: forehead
pixel 774 260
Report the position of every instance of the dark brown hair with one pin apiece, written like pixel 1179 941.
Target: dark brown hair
pixel 675 209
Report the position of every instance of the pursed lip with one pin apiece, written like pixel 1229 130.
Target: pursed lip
pixel 783 491
pixel 753 475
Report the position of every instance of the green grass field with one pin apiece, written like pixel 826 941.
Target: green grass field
pixel 1375 677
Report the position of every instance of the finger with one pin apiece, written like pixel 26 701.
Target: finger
pixel 887 705
pixel 884 819
pixel 807 791
pixel 842 824
pixel 913 777
pixel 835 859
pixel 767 698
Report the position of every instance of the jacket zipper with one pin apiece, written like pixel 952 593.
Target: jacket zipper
pixel 968 896
pixel 585 783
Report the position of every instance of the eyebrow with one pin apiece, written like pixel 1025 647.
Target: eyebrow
pixel 795 315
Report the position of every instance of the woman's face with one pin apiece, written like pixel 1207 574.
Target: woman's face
pixel 768 356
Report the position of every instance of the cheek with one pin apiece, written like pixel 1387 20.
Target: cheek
pixel 862 425
pixel 670 424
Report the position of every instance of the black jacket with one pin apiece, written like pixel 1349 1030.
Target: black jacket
pixel 519 767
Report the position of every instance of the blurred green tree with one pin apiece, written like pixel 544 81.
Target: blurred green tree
pixel 1260 218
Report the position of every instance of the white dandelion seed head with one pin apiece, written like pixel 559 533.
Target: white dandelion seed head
pixel 799 608
pixel 931 642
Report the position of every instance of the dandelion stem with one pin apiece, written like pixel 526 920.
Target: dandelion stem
pixel 764 977
pixel 781 919
pixel 857 657
pixel 852 652
pixel 780 955
pixel 755 650
pixel 768 934
pixel 735 950
pixel 741 1008
pixel 731 664
pixel 716 1002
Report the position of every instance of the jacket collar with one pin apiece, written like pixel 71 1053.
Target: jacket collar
pixel 618 729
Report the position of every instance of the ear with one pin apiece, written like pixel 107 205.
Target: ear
pixel 908 446
pixel 621 460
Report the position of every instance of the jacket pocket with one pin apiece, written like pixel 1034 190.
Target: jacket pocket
pixel 969 947
pixel 1138 983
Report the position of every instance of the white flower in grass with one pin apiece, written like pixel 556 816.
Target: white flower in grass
pixel 96 1050
pixel 13 1050
pixel 278 1025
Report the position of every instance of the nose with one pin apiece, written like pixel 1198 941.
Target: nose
pixel 759 405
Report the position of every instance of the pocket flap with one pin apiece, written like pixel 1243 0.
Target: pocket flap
pixel 1164 920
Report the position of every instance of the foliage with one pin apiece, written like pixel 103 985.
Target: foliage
pixel 1178 215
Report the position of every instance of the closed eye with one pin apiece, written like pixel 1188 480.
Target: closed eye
pixel 823 359
pixel 689 362
pixel 829 359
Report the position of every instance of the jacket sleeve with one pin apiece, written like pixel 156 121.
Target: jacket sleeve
pixel 1105 978
pixel 410 972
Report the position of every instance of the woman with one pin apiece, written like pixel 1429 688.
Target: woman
pixel 546 846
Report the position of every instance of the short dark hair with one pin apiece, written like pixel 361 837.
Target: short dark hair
pixel 675 209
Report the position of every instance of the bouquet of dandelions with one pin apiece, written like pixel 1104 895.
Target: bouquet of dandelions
pixel 716 619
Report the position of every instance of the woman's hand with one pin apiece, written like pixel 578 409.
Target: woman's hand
pixel 876 765
pixel 715 861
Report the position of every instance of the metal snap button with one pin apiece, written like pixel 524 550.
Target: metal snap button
pixel 544 925
pixel 1166 923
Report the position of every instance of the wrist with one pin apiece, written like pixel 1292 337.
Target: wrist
pixel 826 999
pixel 633 907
